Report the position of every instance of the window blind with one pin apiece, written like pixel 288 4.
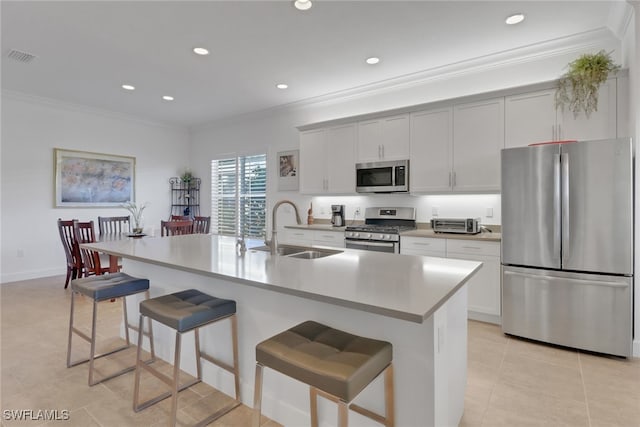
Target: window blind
pixel 238 195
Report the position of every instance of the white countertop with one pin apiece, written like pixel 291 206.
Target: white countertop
pixel 401 286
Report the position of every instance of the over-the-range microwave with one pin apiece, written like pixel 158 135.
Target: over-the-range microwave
pixel 383 177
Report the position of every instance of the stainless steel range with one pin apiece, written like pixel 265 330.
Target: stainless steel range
pixel 381 229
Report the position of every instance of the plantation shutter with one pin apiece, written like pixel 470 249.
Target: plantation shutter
pixel 238 196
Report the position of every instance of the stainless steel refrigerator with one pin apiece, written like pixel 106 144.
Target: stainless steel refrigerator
pixel 567 244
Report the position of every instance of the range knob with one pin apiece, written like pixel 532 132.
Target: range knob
pixel 356 234
pixel 368 236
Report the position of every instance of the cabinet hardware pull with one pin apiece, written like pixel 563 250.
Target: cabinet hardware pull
pixel 553 132
pixel 421 244
pixel 559 132
pixel 454 178
pixel 471 247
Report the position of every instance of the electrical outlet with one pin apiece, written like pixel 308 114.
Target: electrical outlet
pixel 489 213
pixel 434 211
pixel 357 212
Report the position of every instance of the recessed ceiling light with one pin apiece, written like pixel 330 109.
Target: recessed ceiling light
pixel 282 85
pixel 373 60
pixel 200 51
pixel 128 87
pixel 514 19
pixel 303 4
pixel 167 98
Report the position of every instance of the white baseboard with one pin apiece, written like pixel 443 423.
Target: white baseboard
pixel 33 274
pixel 483 317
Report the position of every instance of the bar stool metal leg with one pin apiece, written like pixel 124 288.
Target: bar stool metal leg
pixel 257 396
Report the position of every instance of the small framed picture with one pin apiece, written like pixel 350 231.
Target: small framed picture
pixel 288 170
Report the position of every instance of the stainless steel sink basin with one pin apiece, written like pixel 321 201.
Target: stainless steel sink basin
pixel 313 254
pixel 302 252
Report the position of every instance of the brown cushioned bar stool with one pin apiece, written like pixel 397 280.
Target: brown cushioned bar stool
pixel 102 288
pixel 187 311
pixel 335 364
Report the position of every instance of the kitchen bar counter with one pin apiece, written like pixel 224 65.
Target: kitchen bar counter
pixel 419 304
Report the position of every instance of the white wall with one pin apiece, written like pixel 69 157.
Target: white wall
pixel 31 129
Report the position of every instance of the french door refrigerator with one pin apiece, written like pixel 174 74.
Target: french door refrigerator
pixel 567 244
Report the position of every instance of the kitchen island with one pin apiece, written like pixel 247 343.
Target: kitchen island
pixel 416 303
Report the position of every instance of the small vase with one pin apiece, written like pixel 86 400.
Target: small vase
pixel 137 225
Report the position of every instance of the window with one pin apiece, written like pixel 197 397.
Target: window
pixel 238 196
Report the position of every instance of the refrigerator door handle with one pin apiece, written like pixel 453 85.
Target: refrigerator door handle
pixel 564 165
pixel 570 279
pixel 557 219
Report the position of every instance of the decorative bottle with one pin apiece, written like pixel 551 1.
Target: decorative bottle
pixel 310 214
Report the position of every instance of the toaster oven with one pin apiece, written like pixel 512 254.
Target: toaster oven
pixel 456 225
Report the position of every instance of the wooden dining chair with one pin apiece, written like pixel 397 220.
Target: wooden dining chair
pixel 175 228
pixel 71 250
pixel 114 224
pixel 201 224
pixel 180 218
pixel 84 232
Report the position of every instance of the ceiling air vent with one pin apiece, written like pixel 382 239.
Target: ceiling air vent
pixel 20 56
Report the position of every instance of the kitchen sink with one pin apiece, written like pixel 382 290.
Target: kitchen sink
pixel 301 252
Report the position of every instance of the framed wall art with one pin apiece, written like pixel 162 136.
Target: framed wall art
pixel 84 179
pixel 288 170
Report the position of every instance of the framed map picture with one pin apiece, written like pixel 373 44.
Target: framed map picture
pixel 85 179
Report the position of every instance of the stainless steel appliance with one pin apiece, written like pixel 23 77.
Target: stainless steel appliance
pixel 567 244
pixel 381 229
pixel 383 177
pixel 456 225
pixel 337 215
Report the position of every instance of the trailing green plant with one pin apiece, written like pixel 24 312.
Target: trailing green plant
pixel 186 176
pixel 578 87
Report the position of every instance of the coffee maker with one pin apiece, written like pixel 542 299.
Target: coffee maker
pixel 337 215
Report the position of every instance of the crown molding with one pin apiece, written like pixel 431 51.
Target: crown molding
pixel 577 43
pixel 79 108
pixel 619 19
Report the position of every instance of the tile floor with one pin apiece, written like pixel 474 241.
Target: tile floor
pixel 511 382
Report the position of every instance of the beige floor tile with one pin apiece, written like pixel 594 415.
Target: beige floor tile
pixel 77 418
pixel 543 352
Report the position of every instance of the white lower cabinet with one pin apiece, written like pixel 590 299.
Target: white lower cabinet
pixel 423 246
pixel 484 287
pixel 334 239
pixel 297 236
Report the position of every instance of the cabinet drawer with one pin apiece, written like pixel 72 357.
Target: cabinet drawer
pixel 423 246
pixel 297 236
pixel 473 247
pixel 328 238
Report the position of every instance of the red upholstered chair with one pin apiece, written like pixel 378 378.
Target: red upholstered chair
pixel 71 250
pixel 175 228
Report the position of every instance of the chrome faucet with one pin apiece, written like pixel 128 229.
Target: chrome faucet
pixel 273 243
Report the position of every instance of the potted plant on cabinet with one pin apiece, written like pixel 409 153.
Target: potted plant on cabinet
pixel 578 87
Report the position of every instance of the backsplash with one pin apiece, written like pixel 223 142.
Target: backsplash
pixel 483 206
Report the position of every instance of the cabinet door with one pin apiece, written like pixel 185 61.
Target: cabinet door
pixel 369 141
pixel 600 124
pixel 478 137
pixel 313 161
pixel 530 118
pixel 484 286
pixel 395 137
pixel 341 159
pixel 431 150
pixel 296 236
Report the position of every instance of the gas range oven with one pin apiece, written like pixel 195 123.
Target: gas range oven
pixel 381 229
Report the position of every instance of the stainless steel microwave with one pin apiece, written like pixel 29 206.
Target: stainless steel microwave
pixel 383 177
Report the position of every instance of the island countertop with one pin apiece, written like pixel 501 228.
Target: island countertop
pixel 405 287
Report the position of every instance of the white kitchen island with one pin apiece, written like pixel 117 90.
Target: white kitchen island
pixel 419 304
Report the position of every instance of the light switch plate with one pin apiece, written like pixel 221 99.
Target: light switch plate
pixel 434 211
pixel 489 213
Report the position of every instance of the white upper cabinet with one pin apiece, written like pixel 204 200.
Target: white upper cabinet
pixel 478 137
pixel 327 160
pixel 383 139
pixel 532 117
pixel 431 150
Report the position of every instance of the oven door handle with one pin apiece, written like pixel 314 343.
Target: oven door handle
pixel 370 243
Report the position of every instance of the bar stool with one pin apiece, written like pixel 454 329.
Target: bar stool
pixel 335 364
pixel 188 311
pixel 102 288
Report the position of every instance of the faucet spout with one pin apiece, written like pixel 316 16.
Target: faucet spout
pixel 273 243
